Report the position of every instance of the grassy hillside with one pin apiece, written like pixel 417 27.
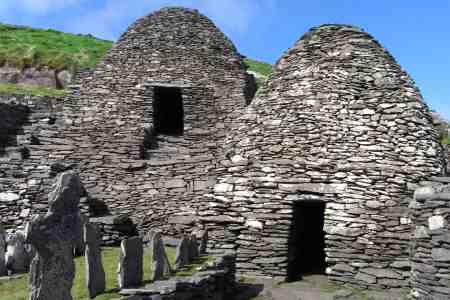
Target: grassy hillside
pixel 25 46
pixel 260 67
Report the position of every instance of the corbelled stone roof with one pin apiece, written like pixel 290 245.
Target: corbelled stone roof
pixel 339 121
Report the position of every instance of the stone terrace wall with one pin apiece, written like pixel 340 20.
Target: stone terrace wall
pixel 24 121
pixel 32 153
pixel 430 256
pixel 108 135
pixel 338 121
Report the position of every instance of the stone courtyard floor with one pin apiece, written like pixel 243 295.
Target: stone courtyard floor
pixel 312 287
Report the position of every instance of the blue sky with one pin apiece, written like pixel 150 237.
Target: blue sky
pixel 416 32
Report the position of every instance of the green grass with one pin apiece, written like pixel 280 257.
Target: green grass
pixel 32 90
pixel 446 141
pixel 25 46
pixel 260 67
pixel 17 289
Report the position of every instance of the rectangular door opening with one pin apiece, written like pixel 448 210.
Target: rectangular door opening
pixel 168 113
pixel 307 240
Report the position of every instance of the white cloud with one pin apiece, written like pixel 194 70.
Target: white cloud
pixel 110 18
pixel 108 21
pixel 35 7
pixel 235 14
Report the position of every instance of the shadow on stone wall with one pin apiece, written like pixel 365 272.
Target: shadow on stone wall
pixel 12 119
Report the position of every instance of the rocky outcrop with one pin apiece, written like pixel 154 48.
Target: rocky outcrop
pixel 36 76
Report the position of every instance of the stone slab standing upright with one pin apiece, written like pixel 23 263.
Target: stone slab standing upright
pixel 79 247
pixel 52 235
pixel 182 254
pixel 16 257
pixel 160 263
pixel 193 247
pixel 203 236
pixel 130 269
pixel 3 270
pixel 95 274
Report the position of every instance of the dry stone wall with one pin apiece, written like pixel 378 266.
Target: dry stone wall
pixel 114 229
pixel 217 280
pixel 35 76
pixel 25 178
pixel 108 133
pixel 339 122
pixel 32 153
pixel 430 244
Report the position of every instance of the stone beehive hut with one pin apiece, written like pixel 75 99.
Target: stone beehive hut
pixel 318 165
pixel 143 127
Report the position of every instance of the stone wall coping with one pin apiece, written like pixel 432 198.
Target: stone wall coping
pixel 111 220
pixel 167 84
pixel 440 179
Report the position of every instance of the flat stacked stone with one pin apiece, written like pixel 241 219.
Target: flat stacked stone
pixel 53 236
pixel 430 244
pixel 339 122
pixel 130 268
pixel 114 228
pixel 28 148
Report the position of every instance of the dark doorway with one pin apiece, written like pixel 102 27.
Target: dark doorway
pixel 168 114
pixel 307 240
pixel 13 119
